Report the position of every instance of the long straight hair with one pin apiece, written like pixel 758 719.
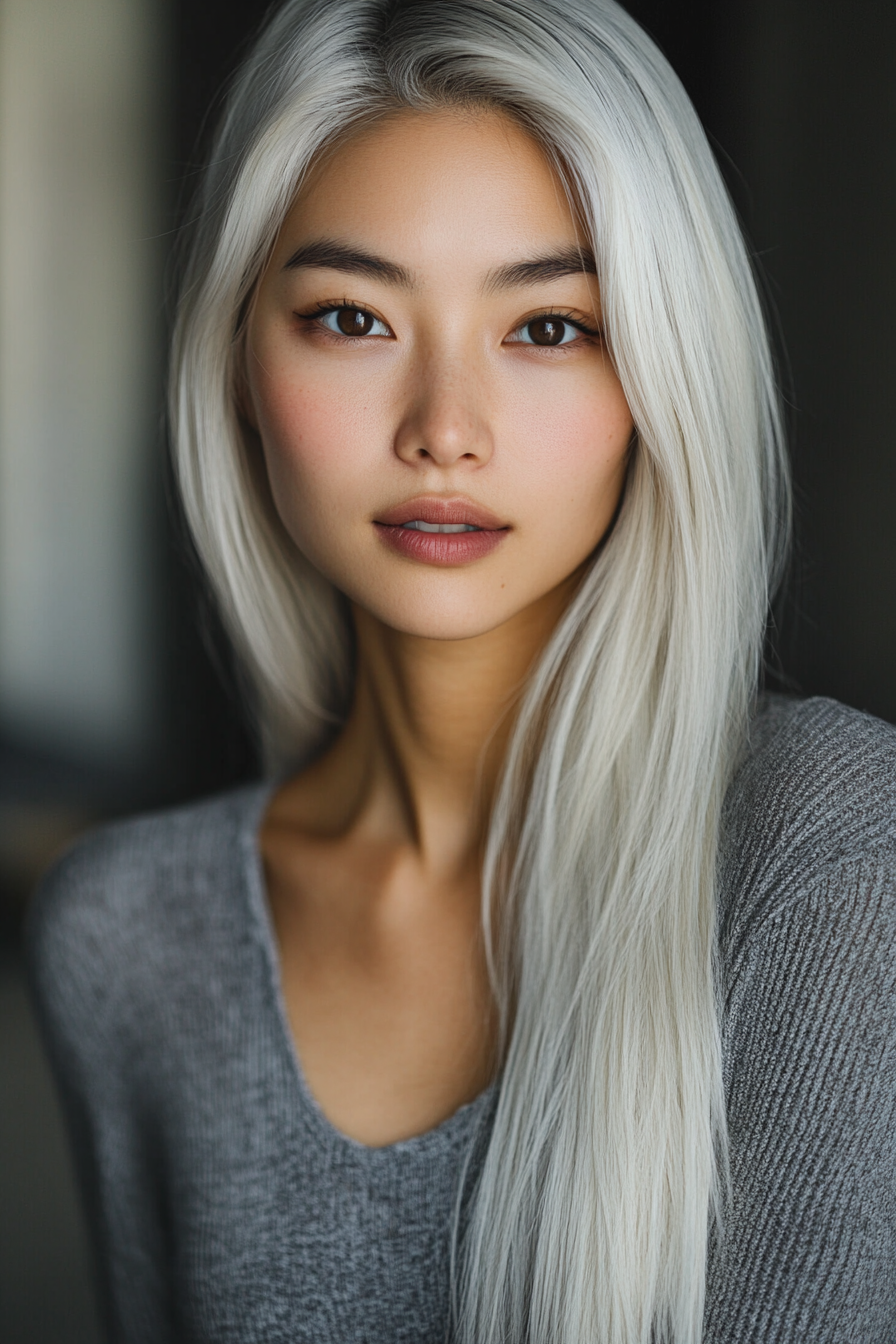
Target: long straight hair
pixel 606 1163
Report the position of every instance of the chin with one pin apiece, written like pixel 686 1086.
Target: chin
pixel 444 625
pixel 434 615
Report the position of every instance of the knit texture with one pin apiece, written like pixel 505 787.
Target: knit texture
pixel 224 1205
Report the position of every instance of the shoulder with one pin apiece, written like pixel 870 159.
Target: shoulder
pixel 808 984
pixel 114 912
pixel 811 808
pixel 811 765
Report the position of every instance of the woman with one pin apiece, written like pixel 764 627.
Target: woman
pixel 545 993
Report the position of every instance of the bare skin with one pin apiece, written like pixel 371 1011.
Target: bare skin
pixel 448 388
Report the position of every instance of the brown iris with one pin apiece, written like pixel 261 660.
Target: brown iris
pixel 354 322
pixel 546 330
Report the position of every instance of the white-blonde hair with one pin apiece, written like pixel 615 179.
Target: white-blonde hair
pixel 607 1159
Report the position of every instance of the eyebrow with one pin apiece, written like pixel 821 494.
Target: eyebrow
pixel 552 266
pixel 337 256
pixel 333 255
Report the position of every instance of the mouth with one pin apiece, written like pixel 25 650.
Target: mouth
pixel 430 513
pixel 446 529
pixel 440 531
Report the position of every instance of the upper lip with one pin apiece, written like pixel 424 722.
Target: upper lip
pixel 435 509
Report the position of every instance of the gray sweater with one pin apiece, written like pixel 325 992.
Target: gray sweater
pixel 224 1205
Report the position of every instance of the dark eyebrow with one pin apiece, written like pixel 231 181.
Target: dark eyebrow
pixel 552 266
pixel 340 257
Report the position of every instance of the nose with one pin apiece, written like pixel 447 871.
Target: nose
pixel 446 420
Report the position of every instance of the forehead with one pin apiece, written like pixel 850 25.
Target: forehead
pixel 454 183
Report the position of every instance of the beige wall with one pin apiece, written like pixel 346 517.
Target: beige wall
pixel 81 112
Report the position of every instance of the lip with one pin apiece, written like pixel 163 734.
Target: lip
pixel 441 548
pixel 436 509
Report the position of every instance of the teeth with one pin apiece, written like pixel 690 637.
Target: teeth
pixel 417 526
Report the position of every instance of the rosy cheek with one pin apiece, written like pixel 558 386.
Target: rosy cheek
pixel 301 428
pixel 578 443
pixel 314 442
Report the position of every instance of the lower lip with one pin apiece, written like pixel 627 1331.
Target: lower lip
pixel 441 548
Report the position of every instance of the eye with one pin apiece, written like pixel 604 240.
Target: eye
pixel 547 330
pixel 352 322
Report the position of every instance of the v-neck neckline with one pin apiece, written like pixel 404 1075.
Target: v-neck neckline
pixel 454 1127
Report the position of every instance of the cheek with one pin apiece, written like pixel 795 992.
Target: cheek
pixel 577 446
pixel 315 444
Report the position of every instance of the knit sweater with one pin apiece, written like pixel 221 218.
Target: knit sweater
pixel 225 1206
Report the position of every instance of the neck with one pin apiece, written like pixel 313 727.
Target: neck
pixel 420 756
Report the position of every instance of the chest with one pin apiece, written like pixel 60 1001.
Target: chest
pixel 303 1237
pixel 272 1224
pixel 386 991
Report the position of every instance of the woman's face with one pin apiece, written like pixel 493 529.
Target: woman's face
pixel 423 353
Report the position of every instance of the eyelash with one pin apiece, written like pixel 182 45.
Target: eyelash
pixel 323 309
pixel 576 322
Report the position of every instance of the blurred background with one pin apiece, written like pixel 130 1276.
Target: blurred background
pixel 116 687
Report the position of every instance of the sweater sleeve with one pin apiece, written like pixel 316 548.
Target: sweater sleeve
pixel 83 966
pixel 808 1249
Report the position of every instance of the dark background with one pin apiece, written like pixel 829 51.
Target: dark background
pixel 799 99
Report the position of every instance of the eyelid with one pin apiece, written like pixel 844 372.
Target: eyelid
pixel 327 307
pixel 570 319
pixel 323 309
